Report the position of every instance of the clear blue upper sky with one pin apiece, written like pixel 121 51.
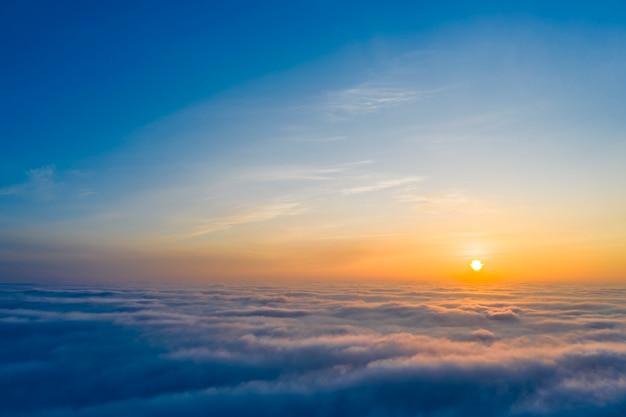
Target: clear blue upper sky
pixel 77 77
pixel 200 126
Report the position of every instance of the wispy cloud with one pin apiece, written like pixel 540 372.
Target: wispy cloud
pixel 478 126
pixel 300 173
pixel 319 139
pixel 367 99
pixel 250 215
pixel 85 192
pixel 445 202
pixel 294 173
pixel 11 190
pixel 41 184
pixel 381 185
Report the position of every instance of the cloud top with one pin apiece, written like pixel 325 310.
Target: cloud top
pixel 312 349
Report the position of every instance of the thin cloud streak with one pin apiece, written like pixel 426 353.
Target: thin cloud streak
pixel 10 190
pixel 301 173
pixel 318 139
pixel 381 185
pixel 368 99
pixel 251 215
pixel 294 174
pixel 445 202
pixel 42 184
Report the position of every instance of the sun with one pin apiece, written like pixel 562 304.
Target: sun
pixel 476 265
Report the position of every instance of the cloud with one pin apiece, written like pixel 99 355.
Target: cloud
pixel 309 349
pixel 85 192
pixel 41 185
pixel 483 335
pixel 10 190
pixel 295 173
pixel 381 185
pixel 301 173
pixel 250 215
pixel 322 139
pixel 368 98
pixel 445 202
pixel 502 313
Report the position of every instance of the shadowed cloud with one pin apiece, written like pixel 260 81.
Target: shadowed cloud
pixel 310 349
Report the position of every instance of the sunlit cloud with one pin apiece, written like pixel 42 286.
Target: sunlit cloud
pixel 315 347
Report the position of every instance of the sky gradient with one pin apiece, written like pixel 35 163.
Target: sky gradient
pixel 271 208
pixel 154 141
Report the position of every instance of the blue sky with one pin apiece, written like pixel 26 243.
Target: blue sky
pixel 277 135
pixel 78 79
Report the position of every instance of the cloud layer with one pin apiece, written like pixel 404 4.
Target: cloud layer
pixel 312 350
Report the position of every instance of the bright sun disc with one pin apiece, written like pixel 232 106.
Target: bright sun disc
pixel 476 265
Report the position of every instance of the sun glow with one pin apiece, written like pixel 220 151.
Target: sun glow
pixel 476 265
